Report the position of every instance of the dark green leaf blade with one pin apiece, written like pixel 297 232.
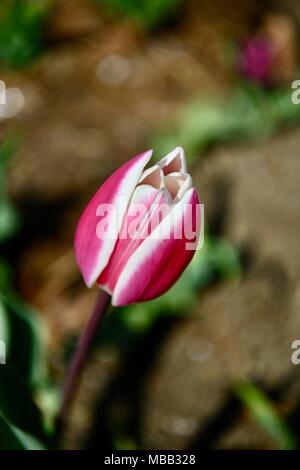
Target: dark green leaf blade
pixel 265 414
pixel 12 438
pixel 17 404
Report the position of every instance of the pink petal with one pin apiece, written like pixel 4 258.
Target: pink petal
pixel 141 219
pixel 93 253
pixel 159 261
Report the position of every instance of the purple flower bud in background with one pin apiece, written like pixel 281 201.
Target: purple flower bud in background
pixel 256 60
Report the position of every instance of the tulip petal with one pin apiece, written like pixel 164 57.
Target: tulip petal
pixel 147 208
pixel 178 184
pixel 160 259
pixel 174 162
pixel 153 176
pixel 91 251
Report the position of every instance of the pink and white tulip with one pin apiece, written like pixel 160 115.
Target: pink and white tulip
pixel 131 238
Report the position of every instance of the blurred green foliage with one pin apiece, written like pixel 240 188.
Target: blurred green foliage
pixel 265 414
pixel 9 220
pixel 24 377
pixel 25 339
pixel 16 401
pixel 28 398
pixel 148 13
pixel 21 25
pixel 12 438
pixel 250 112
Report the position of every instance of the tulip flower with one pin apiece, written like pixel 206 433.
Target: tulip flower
pixel 256 60
pixel 269 57
pixel 131 238
pixel 134 239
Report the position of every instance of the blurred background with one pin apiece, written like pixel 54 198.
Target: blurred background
pixel 90 84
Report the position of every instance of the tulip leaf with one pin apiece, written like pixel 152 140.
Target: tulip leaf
pixel 265 414
pixel 4 328
pixel 12 438
pixel 26 336
pixel 17 404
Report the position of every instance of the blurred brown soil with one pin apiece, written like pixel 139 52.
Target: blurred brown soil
pixel 104 87
pixel 93 101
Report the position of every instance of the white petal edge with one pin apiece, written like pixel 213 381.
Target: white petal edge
pixel 177 152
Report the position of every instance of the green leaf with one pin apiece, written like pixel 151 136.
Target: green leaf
pixel 148 13
pixel 9 220
pixel 21 25
pixel 264 413
pixel 17 404
pixel 26 351
pixel 4 328
pixel 12 438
